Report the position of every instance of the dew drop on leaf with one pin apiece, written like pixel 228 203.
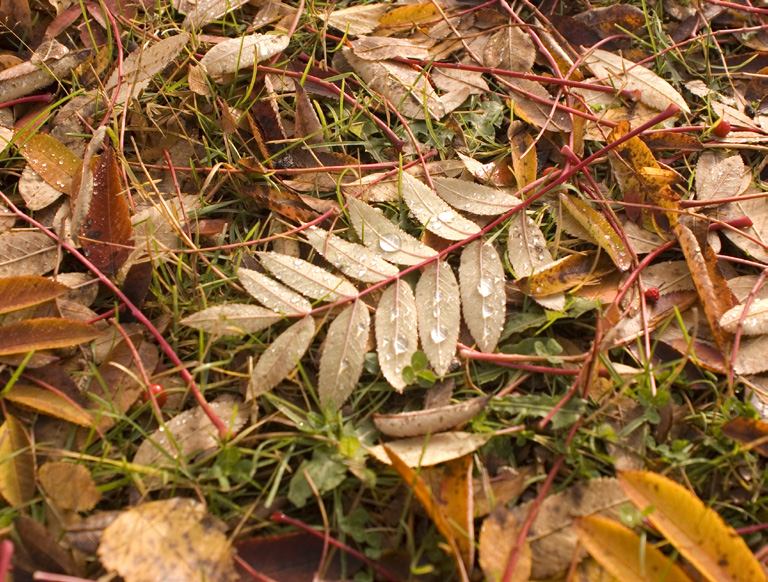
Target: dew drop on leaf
pixel 401 344
pixel 390 243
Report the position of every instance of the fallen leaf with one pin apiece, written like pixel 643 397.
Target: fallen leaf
pixel 749 432
pixel 397 337
pixel 483 295
pixel 498 536
pixel 439 314
pixel 44 334
pixel 272 294
pixel 306 278
pixel 26 253
pixel 48 402
pixel 232 319
pixel 429 420
pixel 17 463
pixel 172 539
pixel 69 485
pixel 697 531
pixel 357 20
pixel 432 449
pixel 234 54
pixel 52 160
pixel 24 291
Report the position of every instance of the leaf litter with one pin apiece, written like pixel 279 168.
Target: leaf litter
pixel 560 243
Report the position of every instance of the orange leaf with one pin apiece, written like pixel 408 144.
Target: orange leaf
pixel 17 463
pixel 697 531
pixel 458 502
pixel 48 402
pixel 20 292
pixel 43 334
pixel 50 158
pixel 621 551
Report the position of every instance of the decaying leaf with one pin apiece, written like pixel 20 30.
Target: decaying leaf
pixel 565 274
pixel 749 432
pixel 429 420
pixel 431 449
pixel 754 321
pixel 306 278
pixel 378 48
pixel 483 294
pixel 272 294
pixel 357 20
pixel 26 253
pixel 527 252
pixel 234 54
pixel 497 539
pixel 69 485
pixel 172 539
pixel 201 12
pixel 439 314
pixel 354 260
pixel 384 238
pixel 344 354
pixel 281 357
pixel 17 463
pixel 624 554
pixel 397 337
pixel 457 501
pixel 232 319
pixel 720 178
pixel 552 537
pixel 697 531
pixel 28 77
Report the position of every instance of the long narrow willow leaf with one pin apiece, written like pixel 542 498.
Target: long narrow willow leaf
pixel 232 319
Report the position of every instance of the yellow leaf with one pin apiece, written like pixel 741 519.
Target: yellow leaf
pixel 407 16
pixel 565 274
pixel 48 402
pixel 624 554
pixel 697 531
pixel 458 501
pixel 17 463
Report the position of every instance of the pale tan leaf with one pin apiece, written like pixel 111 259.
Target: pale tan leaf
pixel 189 432
pixel 757 210
pixel 750 359
pixel 624 74
pixel 36 192
pixel 232 319
pixel 483 293
pixel 378 48
pixel 357 20
pixel 497 539
pixel 430 210
pixel 172 539
pixel 17 463
pixel 429 420
pixel 474 198
pixel 272 294
pixel 354 260
pixel 439 314
pixel 144 63
pixel 540 112
pixel 405 87
pixel 432 449
pixel 397 337
pixel 26 253
pixel 451 80
pixel 69 485
pixel 510 48
pixel 718 177
pixel 526 246
pixel 552 536
pixel 743 286
pixel 384 238
pixel 755 321
pixel 234 54
pixel 281 357
pixel 668 277
pixel 201 12
pixel 344 354
pixel 306 278
pixel 27 77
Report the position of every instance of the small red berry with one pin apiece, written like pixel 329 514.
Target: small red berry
pixel 722 128
pixel 652 294
pixel 160 394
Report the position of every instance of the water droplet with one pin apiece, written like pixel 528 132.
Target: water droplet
pixel 344 365
pixel 361 328
pixel 485 287
pixel 487 310
pixel 390 243
pixel 401 344
pixel 439 334
pixel 446 216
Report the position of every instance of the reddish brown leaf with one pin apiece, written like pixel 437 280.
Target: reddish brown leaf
pixel 284 202
pixel 43 334
pixel 107 233
pixel 748 431
pixel 20 292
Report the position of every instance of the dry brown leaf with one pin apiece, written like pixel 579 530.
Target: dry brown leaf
pixel 511 49
pixel 52 160
pixel 397 337
pixel 36 192
pixel 541 111
pixel 172 539
pixel 20 292
pixel 69 485
pixel 232 319
pixel 17 463
pixel 281 357
pixel 432 450
pixel 379 48
pixel 498 535
pixel 48 402
pixel 439 313
pixel 27 77
pixel 344 354
pixel 44 334
pixel 718 177
pixel 26 253
pixel 754 320
pixel 483 293
pixel 201 12
pixel 457 500
pixel 429 420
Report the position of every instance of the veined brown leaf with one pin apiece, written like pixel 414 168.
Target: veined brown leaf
pixel 52 160
pixel 565 274
pixel 539 112
pixel 624 554
pixel 240 53
pixel 426 451
pixel 69 486
pixel 474 198
pixel 599 228
pixel 384 238
pixel 48 402
pixel 201 13
pixel 25 78
pixel 44 334
pixel 281 357
pixel 35 191
pixel 232 319
pixel 26 253
pixel 24 291
pixel 344 354
pixel 397 337
pixel 483 293
pixel 407 16
pixel 720 178
pixel 17 463
pixel 306 278
pixel 755 320
pixel 697 531
pixel 429 420
pixel 624 74
pixel 439 313
pixel 430 210
pixel 356 261
pixel 272 294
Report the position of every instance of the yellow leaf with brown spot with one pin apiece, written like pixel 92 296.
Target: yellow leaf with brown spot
pixel 697 531
pixel 565 274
